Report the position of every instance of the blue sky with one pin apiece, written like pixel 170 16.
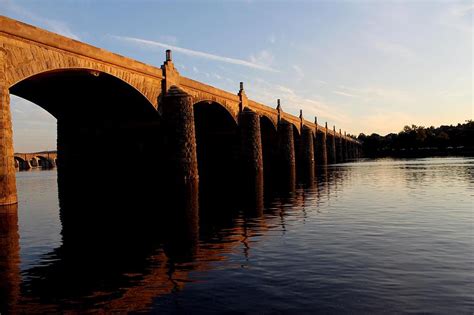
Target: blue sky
pixel 365 66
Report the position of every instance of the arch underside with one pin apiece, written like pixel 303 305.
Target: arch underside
pixel 25 59
pixel 232 109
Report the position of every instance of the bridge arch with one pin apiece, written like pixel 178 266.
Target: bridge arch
pixel 21 163
pixel 24 60
pixel 39 86
pixel 202 101
pixel 217 139
pixel 269 120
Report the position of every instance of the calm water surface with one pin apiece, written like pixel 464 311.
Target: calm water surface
pixel 373 236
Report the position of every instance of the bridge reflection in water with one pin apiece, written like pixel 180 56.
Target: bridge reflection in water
pixel 121 252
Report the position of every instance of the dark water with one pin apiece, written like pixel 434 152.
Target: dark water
pixel 374 236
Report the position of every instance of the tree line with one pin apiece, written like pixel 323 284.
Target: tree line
pixel 420 141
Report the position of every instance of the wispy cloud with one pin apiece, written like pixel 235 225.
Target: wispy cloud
pixel 377 94
pixel 459 16
pixel 56 26
pixel 263 57
pixel 292 101
pixel 298 71
pixel 344 93
pixel 259 61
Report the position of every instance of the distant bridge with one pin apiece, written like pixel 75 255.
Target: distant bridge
pixel 105 102
pixel 27 161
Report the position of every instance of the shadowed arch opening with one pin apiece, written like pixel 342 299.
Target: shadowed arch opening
pixel 217 149
pixel 21 164
pixel 98 116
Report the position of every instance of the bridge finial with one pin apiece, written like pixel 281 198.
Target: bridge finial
pixel 326 125
pixel 243 98
pixel 301 119
pixel 279 110
pixel 316 121
pixel 340 132
pixel 168 55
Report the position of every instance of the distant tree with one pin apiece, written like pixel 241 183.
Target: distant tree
pixel 414 137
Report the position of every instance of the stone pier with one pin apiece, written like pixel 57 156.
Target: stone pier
pixel 181 162
pixel 286 155
pixel 307 155
pixel 251 153
pixel 7 163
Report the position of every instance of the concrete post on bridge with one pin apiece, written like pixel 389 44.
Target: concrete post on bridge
pixel 307 152
pixel 250 151
pixel 286 152
pixel 8 194
pixel 181 154
pixel 321 148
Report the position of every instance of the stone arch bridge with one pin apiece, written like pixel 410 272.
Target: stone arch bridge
pixel 104 101
pixel 44 159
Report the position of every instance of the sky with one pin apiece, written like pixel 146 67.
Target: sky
pixel 364 66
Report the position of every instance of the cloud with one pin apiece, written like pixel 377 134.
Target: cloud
pixel 320 81
pixel 56 26
pixel 292 101
pixel 299 72
pixel 258 62
pixel 263 57
pixel 458 17
pixel 377 94
pixel 344 93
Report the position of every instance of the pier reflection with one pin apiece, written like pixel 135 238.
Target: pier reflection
pixel 9 259
pixel 122 251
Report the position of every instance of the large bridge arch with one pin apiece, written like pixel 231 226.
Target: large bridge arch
pixel 41 88
pixel 32 51
pixel 89 70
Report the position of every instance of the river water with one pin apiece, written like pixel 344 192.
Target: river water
pixel 372 236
